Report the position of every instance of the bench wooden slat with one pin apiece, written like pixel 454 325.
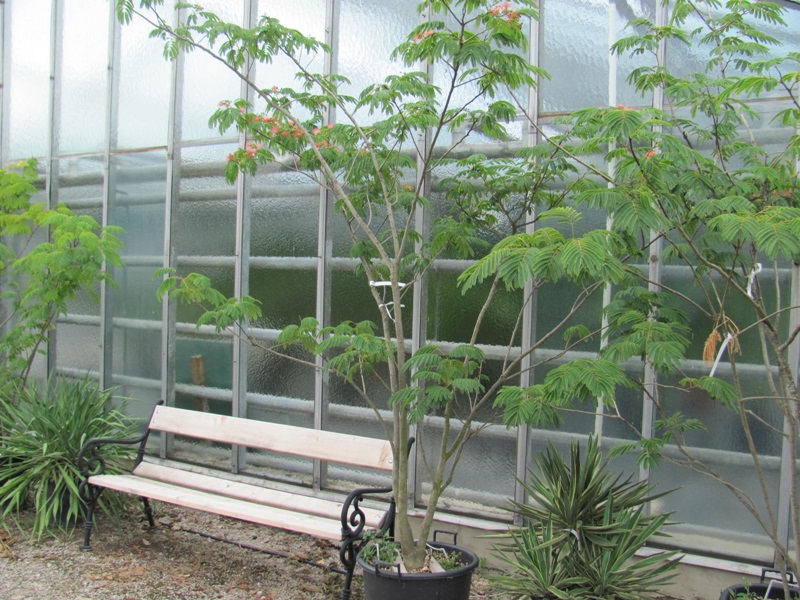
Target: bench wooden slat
pixel 251 493
pixel 229 507
pixel 311 443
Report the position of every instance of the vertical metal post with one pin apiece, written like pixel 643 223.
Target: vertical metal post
pixel 419 314
pixel 599 418
pixel 109 188
pixel 654 267
pixel 241 284
pixel 5 67
pixel 51 176
pixel 531 138
pixel 5 55
pixel 325 249
pixel 169 309
pixel 787 460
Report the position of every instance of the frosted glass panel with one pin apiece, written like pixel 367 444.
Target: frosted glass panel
pixel 575 53
pixel 271 375
pixel 368 32
pixel 353 301
pixel 29 79
pixel 725 431
pixel 80 183
pixel 78 347
pixel 286 295
pixel 306 16
pixel 216 357
pixel 626 11
pixel 80 188
pixel 207 81
pixel 453 314
pixel 206 223
pixel 285 216
pixel 487 468
pixel 136 203
pixel 704 508
pixel 144 88
pixel 83 76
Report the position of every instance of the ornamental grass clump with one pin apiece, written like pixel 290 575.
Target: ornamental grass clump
pixel 583 529
pixel 42 430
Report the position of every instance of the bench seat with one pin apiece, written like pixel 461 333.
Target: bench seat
pixel 248 498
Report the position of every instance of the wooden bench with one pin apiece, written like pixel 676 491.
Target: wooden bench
pixel 247 497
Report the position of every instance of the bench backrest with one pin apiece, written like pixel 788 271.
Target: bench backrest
pixel 288 439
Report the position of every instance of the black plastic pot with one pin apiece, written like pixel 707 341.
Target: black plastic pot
pixel 385 584
pixel 760 590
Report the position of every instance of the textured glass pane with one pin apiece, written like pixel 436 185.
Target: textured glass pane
pixel 307 17
pixel 78 347
pixel 468 93
pixel 83 76
pixel 629 409
pixel 285 216
pixel 273 376
pixel 725 430
pixel 136 203
pixel 143 95
pixel 736 309
pixel 28 79
pixel 349 412
pixel 368 32
pixel 206 223
pixel 453 314
pixel 286 296
pixel 216 358
pixel 84 302
pixel 485 475
pixel 486 471
pixel 628 10
pixel 340 229
pixel 80 183
pixel 80 188
pixel 575 53
pixel 352 300
pixel 207 81
pixel 705 509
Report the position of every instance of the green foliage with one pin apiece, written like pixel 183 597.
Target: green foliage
pixel 687 183
pixel 583 529
pixel 41 432
pixel 70 254
pixel 195 289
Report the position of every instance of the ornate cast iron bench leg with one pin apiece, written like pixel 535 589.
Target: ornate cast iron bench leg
pixel 353 522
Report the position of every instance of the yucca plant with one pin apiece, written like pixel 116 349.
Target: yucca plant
pixel 41 432
pixel 583 528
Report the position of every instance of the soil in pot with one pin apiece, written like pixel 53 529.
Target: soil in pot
pixel 386 584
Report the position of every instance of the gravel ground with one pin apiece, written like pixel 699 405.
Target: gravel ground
pixel 179 560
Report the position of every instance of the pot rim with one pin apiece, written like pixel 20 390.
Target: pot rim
pixel 471 557
pixel 730 592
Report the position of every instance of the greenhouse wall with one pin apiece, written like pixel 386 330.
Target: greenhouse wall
pixel 122 134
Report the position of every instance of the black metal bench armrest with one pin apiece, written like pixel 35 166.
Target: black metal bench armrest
pixel 90 462
pixel 353 520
